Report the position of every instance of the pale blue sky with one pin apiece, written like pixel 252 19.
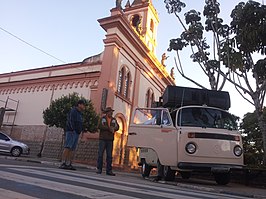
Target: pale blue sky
pixel 69 30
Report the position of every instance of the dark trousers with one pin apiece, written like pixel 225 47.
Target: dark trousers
pixel 160 169
pixel 108 146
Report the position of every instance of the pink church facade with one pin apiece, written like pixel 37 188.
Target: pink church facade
pixel 127 69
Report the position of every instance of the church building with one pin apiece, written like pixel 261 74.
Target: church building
pixel 126 75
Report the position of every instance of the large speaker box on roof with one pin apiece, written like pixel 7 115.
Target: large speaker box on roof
pixel 176 96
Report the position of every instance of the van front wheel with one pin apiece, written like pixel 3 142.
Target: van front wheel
pixel 169 174
pixel 145 169
pixel 185 174
pixel 222 178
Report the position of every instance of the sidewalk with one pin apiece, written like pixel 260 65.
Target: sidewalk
pixel 46 161
pixel 193 184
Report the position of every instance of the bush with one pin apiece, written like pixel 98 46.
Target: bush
pixel 56 113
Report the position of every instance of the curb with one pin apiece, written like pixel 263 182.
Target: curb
pixel 207 189
pixel 219 191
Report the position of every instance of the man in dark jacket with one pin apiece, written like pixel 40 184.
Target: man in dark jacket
pixel 107 126
pixel 73 129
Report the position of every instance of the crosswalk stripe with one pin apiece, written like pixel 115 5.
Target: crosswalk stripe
pixel 66 188
pixel 144 186
pixel 6 194
pixel 97 186
pixel 110 183
pixel 81 190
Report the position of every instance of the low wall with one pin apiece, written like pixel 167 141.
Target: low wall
pixel 48 142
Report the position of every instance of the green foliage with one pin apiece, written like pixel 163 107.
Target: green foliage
pixel 56 113
pixel 176 44
pixel 234 42
pixel 174 6
pixel 260 70
pixel 250 31
pixel 90 118
pixel 252 139
pixel 249 37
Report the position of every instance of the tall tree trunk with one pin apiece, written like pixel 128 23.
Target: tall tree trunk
pixel 262 126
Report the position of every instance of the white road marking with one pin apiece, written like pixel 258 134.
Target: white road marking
pixel 100 181
pixel 6 194
pixel 61 187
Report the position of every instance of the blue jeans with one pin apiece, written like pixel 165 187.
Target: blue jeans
pixel 108 146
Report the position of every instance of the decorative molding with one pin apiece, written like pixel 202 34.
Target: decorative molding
pixel 48 87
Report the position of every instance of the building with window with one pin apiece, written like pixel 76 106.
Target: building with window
pixel 128 70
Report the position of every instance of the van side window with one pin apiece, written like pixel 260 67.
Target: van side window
pixel 148 117
pixel 154 118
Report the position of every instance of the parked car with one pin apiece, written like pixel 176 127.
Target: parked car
pixel 8 145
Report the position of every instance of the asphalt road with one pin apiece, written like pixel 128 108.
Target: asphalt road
pixel 26 180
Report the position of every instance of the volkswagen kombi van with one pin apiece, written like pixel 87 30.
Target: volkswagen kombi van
pixel 187 138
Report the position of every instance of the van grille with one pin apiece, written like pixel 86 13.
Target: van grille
pixel 215 136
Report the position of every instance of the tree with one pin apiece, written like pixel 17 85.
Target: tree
pixel 233 49
pixel 56 113
pixel 193 36
pixel 252 139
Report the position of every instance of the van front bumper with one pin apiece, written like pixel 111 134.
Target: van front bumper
pixel 213 167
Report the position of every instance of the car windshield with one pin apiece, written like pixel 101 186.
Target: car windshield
pixel 206 117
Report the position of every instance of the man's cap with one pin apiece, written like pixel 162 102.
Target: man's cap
pixel 81 101
pixel 108 109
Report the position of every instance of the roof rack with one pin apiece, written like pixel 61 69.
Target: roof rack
pixel 177 96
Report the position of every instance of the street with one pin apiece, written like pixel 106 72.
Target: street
pixel 25 180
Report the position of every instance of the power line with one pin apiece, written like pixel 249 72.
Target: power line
pixel 31 45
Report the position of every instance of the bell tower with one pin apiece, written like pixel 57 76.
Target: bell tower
pixel 144 20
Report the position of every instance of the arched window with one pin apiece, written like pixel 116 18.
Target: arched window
pixel 152 25
pixel 124 80
pixel 149 98
pixel 120 80
pixel 136 21
pixel 152 98
pixel 127 81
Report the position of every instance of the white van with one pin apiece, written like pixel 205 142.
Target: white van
pixel 189 138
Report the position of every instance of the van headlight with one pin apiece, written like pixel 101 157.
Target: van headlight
pixel 238 150
pixel 191 148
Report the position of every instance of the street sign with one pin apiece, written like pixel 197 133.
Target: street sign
pixel 104 98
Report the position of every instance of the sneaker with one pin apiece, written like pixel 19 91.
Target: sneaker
pixel 99 171
pixel 70 167
pixel 63 166
pixel 110 173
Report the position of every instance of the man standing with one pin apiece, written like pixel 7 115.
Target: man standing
pixel 73 129
pixel 107 126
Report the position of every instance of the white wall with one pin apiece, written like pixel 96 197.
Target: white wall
pixel 32 103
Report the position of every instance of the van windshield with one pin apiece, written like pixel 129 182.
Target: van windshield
pixel 206 117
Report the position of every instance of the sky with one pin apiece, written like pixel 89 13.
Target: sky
pixel 67 31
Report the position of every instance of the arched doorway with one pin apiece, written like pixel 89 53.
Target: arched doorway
pixel 119 141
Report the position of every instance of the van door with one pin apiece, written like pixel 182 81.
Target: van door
pixel 153 128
